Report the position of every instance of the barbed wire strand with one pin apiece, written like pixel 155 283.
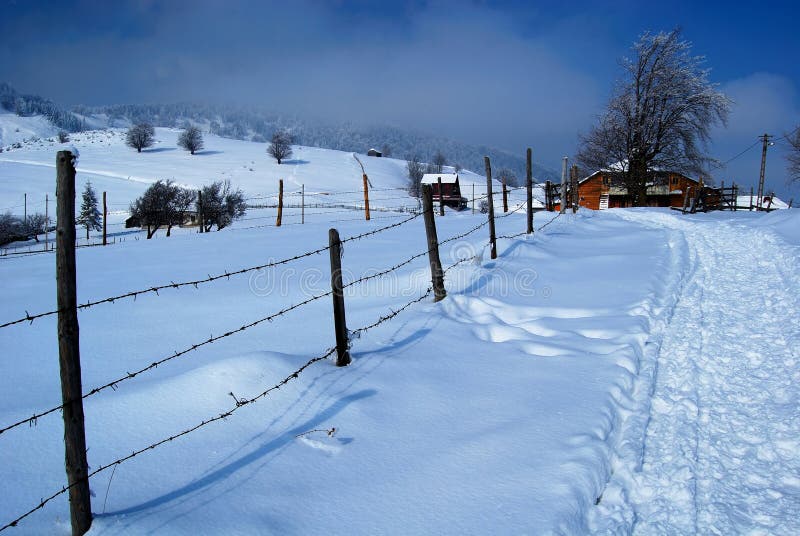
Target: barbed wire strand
pixel 227 275
pixel 239 404
pixel 130 375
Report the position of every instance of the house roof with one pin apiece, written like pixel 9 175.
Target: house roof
pixel 615 168
pixel 433 178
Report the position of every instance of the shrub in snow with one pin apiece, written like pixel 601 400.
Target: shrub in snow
pixel 280 146
pixel 191 139
pixel 222 204
pixel 140 136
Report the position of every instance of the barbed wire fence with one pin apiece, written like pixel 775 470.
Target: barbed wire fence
pixel 227 275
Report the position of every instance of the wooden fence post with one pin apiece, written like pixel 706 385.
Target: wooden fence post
pixel 492 237
pixel 505 196
pixel 46 220
pixel 473 198
pixel 339 321
pixel 69 348
pixel 563 207
pixel 303 203
pixel 280 203
pixel 547 196
pixel 437 275
pixel 366 197
pixel 441 198
pixel 529 188
pixel 574 187
pixel 105 220
pixel 200 216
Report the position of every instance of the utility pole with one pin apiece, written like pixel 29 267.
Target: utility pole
pixel 766 143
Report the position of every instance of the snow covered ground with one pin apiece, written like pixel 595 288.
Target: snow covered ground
pixel 624 371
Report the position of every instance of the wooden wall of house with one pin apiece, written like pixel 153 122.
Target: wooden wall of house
pixel 682 183
pixel 590 190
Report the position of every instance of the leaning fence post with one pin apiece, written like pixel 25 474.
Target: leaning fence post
pixel 492 238
pixel 529 188
pixel 280 203
pixel 437 275
pixel 366 197
pixel 339 321
pixel 69 347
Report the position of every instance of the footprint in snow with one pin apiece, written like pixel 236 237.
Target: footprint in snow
pixel 325 442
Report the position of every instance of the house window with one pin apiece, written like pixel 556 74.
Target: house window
pixel 674 181
pixel 606 181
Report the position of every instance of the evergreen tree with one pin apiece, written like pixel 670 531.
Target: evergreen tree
pixel 89 216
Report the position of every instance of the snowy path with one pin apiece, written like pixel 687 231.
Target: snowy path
pixel 721 451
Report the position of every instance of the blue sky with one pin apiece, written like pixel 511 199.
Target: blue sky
pixel 506 74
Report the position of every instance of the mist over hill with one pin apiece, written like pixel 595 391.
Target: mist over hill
pixel 254 124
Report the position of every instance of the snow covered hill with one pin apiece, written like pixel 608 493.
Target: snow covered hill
pixel 330 180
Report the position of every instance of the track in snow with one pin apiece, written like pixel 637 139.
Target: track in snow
pixel 721 451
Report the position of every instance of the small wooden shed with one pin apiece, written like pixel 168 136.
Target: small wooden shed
pixel 451 190
pixel 374 152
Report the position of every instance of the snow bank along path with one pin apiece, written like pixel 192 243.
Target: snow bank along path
pixel 721 452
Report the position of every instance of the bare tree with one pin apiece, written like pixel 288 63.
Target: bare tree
pixel 191 139
pixel 386 150
pixel 794 155
pixel 222 204
pixel 140 136
pixel 660 115
pixel 438 162
pixel 280 145
pixel 11 228
pixel 35 225
pixel 182 200
pixel 163 204
pixel 416 170
pixel 507 177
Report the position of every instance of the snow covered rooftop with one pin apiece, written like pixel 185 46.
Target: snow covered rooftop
pixel 433 178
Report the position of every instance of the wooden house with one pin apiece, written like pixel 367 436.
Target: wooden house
pixel 450 193
pixel 603 189
pixel 374 152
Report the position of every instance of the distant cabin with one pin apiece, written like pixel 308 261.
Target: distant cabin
pixel 374 152
pixel 603 189
pixel 451 190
